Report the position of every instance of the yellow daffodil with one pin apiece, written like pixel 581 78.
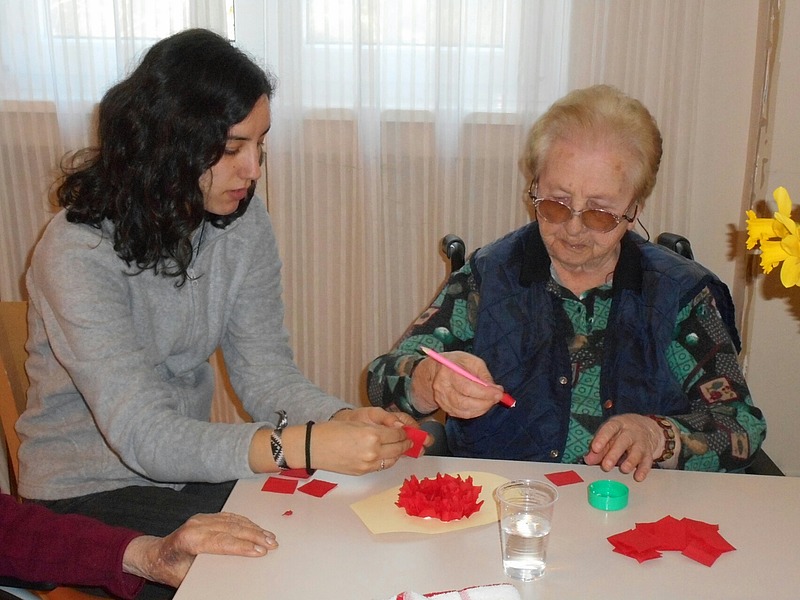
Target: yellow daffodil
pixel 784 224
pixel 758 229
pixel 778 239
pixel 772 254
pixel 789 227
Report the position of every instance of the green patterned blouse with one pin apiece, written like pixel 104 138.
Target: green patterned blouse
pixel 722 415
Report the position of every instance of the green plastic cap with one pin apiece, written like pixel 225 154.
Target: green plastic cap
pixel 608 495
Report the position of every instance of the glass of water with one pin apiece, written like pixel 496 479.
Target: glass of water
pixel 525 509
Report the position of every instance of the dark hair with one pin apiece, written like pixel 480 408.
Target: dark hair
pixel 159 130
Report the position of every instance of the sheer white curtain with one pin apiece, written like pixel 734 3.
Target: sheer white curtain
pixel 650 49
pixel 395 123
pixel 57 58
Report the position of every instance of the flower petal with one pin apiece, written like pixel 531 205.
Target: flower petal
pixel 772 254
pixel 758 229
pixel 789 227
pixel 790 272
pixel 781 196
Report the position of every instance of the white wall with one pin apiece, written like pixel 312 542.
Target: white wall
pixel 774 355
pixel 720 186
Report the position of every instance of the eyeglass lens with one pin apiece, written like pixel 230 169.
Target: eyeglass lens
pixel 557 213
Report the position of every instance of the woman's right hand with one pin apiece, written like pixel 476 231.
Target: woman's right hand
pixel 355 447
pixel 340 446
pixel 435 386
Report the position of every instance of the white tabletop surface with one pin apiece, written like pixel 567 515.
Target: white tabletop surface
pixel 327 552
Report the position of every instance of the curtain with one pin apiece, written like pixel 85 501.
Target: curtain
pixel 651 50
pixel 57 58
pixel 394 123
pixel 397 123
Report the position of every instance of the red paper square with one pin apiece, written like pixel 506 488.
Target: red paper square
pixel 298 473
pixel 669 531
pixel 697 540
pixel 698 550
pixel 634 540
pixel 279 485
pixel 316 487
pixel 639 556
pixel 564 477
pixel 716 541
pixel 417 436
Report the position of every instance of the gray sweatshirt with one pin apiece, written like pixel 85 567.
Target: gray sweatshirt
pixel 121 386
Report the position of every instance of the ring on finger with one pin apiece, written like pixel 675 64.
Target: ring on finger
pixel 383 465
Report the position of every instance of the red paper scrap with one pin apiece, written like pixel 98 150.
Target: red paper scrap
pixel 640 556
pixel 417 436
pixel 446 497
pixel 317 487
pixel 698 550
pixel 670 532
pixel 288 513
pixel 699 527
pixel 635 541
pixel 298 473
pixel 695 539
pixel 279 485
pixel 716 541
pixel 564 477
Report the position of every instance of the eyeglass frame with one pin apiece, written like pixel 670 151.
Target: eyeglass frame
pixel 537 200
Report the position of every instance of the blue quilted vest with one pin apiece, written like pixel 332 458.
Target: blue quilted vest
pixel 516 336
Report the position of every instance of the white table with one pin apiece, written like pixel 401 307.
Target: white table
pixel 327 552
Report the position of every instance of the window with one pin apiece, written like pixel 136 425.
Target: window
pixel 72 51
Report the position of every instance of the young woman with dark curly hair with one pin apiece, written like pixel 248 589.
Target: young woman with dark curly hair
pixel 160 256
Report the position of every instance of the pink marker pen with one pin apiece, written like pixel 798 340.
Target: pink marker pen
pixel 506 400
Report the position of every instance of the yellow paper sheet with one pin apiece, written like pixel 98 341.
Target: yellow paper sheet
pixel 381 515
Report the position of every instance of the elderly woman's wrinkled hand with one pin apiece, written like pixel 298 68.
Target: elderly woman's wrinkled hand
pixel 631 441
pixel 167 560
pixel 435 386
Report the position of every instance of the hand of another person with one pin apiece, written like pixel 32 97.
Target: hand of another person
pixel 436 386
pixel 166 560
pixel 373 415
pixel 630 440
pixel 351 446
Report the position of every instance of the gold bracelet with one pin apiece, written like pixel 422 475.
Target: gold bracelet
pixel 669 438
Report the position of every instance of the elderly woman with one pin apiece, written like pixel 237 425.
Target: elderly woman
pixel 617 351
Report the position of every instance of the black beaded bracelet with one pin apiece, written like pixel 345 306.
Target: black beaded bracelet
pixel 309 425
pixel 276 443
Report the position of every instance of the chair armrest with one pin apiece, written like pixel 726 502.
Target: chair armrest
pixel 38 586
pixel 762 465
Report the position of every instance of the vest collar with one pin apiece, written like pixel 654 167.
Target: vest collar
pixel 536 261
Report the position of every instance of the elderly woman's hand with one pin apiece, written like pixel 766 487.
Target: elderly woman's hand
pixel 630 440
pixel 435 386
pixel 167 559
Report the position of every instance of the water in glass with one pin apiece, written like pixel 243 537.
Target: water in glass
pixel 524 545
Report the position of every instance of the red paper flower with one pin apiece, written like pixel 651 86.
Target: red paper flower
pixel 446 498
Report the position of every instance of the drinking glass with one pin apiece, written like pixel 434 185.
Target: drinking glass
pixel 525 510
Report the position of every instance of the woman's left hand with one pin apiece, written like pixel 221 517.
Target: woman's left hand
pixel 630 440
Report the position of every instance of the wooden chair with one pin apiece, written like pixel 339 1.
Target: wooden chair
pixel 13 379
pixel 13 388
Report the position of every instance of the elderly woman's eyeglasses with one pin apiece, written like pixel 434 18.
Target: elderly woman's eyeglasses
pixel 596 219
